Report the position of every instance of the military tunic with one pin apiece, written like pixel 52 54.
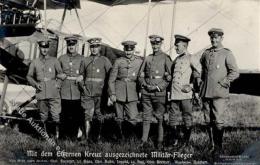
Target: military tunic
pixel 70 66
pixel 156 71
pixel 184 66
pixel 123 78
pixel 94 70
pixel 44 71
pixel 123 84
pixel 219 68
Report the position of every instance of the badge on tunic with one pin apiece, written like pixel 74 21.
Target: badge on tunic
pixel 70 63
pixel 218 66
pixel 156 71
pixel 134 74
pixel 77 71
pixel 98 70
pixel 49 69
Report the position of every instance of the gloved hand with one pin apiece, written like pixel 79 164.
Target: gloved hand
pixel 79 79
pixel 39 87
pixel 186 88
pixel 109 102
pixel 113 98
pixel 62 76
pixel 58 86
pixel 224 83
pixel 151 88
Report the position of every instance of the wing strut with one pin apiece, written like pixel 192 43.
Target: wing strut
pixel 147 26
pixel 173 24
pixel 80 24
pixel 6 80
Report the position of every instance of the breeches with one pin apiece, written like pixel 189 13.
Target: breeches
pixel 52 106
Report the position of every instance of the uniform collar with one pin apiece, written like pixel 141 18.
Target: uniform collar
pixel 184 54
pixel 95 56
pixel 157 53
pixel 72 55
pixel 217 49
pixel 131 59
pixel 44 58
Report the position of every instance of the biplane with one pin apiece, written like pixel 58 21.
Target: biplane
pixel 22 26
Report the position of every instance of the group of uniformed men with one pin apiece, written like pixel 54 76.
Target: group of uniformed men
pixel 72 83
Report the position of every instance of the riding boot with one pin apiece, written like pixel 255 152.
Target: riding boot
pixel 186 137
pixel 160 135
pixel 146 130
pixel 99 130
pixel 85 130
pixel 219 138
pixel 120 132
pixel 211 138
pixel 57 130
pixel 176 136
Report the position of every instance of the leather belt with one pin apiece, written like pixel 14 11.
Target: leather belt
pixel 47 79
pixel 71 78
pixel 126 79
pixel 154 77
pixel 94 79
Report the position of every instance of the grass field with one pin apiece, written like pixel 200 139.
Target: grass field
pixel 244 112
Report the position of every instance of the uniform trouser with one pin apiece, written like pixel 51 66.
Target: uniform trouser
pixel 128 109
pixel 153 106
pixel 214 114
pixel 53 106
pixel 91 106
pixel 214 111
pixel 71 114
pixel 185 108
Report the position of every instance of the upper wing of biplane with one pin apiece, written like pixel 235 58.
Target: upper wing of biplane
pixel 39 4
pixel 19 17
pixel 121 2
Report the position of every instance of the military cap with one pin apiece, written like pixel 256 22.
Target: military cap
pixel 129 45
pixel 44 43
pixel 156 39
pixel 182 38
pixel 71 40
pixel 218 31
pixel 94 41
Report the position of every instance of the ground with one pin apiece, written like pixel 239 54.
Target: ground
pixel 244 113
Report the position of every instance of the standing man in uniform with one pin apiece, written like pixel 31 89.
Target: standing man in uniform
pixel 185 68
pixel 219 69
pixel 70 93
pixel 95 70
pixel 122 83
pixel 155 76
pixel 42 75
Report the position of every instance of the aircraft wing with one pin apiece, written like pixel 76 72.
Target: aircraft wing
pixel 58 4
pixel 51 4
pixel 121 2
pixel 16 70
pixel 247 83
